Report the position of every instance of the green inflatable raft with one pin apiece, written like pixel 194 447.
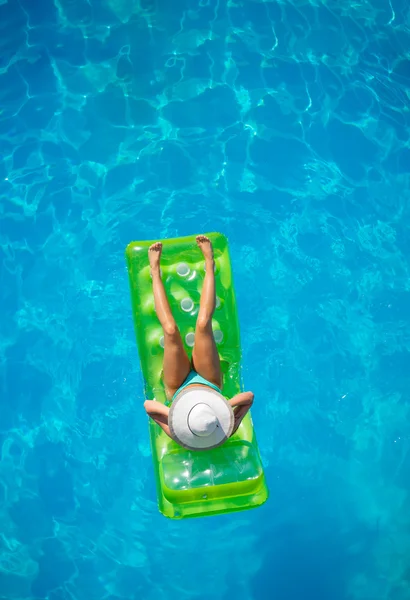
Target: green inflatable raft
pixel 189 483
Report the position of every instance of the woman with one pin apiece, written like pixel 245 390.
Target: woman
pixel 203 372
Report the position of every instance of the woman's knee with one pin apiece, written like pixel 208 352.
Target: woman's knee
pixel 204 322
pixel 170 329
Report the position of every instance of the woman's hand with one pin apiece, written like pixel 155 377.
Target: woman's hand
pixel 240 403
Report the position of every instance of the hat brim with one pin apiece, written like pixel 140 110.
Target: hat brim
pixel 182 406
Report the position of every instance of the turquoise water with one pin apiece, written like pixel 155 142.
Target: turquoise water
pixel 284 125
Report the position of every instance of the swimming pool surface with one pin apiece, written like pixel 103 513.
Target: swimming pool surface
pixel 285 126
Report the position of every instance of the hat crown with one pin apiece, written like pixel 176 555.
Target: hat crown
pixel 202 420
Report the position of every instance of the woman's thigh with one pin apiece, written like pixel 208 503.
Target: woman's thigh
pixel 205 357
pixel 176 365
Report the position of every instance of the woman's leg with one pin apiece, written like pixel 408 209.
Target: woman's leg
pixel 205 358
pixel 176 362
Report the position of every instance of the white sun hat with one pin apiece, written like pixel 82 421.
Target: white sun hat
pixel 200 418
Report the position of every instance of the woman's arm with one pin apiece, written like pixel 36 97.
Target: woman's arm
pixel 159 412
pixel 240 403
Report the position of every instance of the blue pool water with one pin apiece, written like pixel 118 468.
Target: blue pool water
pixel 285 125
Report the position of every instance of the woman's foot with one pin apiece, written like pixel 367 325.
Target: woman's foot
pixel 154 255
pixel 205 245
